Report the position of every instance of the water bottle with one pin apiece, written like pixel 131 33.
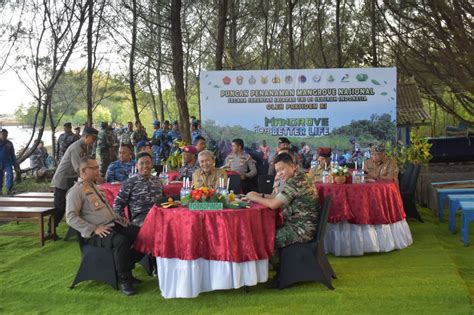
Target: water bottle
pixel 326 177
pixel 185 194
pixel 314 163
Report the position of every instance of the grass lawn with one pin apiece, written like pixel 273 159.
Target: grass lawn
pixel 433 276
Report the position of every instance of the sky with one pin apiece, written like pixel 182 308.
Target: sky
pixel 12 93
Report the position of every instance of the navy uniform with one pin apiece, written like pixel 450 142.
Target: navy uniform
pixel 300 211
pixel 118 171
pixel 87 209
pixel 64 141
pixel 139 194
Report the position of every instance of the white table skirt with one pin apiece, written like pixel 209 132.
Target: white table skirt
pixel 187 278
pixel 345 239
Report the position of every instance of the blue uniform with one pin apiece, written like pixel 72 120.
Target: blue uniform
pixel 118 171
pixel 175 135
pixel 7 160
pixel 157 147
pixel 194 135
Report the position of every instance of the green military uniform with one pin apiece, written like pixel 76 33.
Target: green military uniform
pixel 300 211
pixel 211 180
pixel 104 145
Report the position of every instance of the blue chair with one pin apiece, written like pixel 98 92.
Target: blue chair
pixel 467 215
pixel 453 201
pixel 442 193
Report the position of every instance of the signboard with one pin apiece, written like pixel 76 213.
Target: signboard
pixel 297 103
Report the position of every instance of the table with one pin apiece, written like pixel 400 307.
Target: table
pixel 35 195
pixel 26 202
pixel 200 251
pixel 444 192
pixel 111 190
pixel 28 214
pixel 365 218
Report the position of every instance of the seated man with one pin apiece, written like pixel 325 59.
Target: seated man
pixel 38 163
pixel 208 175
pixel 120 170
pixel 380 166
pixel 298 202
pixel 88 212
pixel 190 163
pixel 139 192
pixel 242 163
pixel 283 144
pixel 324 159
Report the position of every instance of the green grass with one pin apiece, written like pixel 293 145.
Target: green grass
pixel 433 276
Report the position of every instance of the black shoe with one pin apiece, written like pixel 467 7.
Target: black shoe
pixel 53 237
pixel 135 281
pixel 127 288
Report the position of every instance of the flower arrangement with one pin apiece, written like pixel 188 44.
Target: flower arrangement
pixel 339 170
pixel 205 194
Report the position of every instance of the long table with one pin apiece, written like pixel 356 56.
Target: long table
pixel 365 218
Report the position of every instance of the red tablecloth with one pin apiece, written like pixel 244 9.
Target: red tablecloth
pixel 368 203
pixel 225 235
pixel 111 190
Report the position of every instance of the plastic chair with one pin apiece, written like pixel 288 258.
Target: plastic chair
pixel 453 201
pixel 265 183
pixel 467 215
pixel 408 182
pixel 307 261
pixel 96 264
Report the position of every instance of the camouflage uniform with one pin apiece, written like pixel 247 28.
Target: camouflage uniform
pixel 126 137
pixel 64 141
pixel 300 211
pixel 139 194
pixel 118 171
pixel 104 145
pixel 200 179
pixel 385 169
pixel 188 170
pixel 138 135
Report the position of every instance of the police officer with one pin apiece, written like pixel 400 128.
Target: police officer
pixel 64 141
pixel 140 192
pixel 88 212
pixel 242 163
pixel 68 170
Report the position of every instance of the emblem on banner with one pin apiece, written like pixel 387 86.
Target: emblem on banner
pixel 276 79
pixel 317 78
pixel 288 79
pixel 302 78
pixel 240 79
pixel 345 78
pixel 330 78
pixel 252 80
pixel 226 80
pixel 264 79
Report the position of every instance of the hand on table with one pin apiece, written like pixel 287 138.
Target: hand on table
pixel 102 231
pixel 253 195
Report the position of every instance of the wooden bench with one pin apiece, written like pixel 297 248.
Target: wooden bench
pixel 26 202
pixel 35 195
pixel 30 214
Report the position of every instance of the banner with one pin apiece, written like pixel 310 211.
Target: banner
pixel 297 103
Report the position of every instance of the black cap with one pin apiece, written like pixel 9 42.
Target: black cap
pixel 68 124
pixel 283 140
pixel 89 131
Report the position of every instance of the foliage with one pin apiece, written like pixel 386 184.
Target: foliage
pixel 339 170
pixel 417 152
pixel 378 127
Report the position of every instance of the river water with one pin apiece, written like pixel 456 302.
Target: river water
pixel 20 136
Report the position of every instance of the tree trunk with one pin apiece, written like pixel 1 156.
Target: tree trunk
pixel 133 92
pixel 338 34
pixel 291 43
pixel 177 53
pixel 221 23
pixel 90 67
pixel 373 33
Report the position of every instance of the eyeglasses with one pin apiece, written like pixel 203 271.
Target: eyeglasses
pixel 92 167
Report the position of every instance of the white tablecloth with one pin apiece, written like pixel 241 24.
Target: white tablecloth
pixel 187 278
pixel 346 239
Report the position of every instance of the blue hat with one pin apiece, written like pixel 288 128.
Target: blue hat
pixel 156 123
pixel 142 143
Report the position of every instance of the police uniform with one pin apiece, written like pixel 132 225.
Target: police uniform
pixel 300 211
pixel 244 165
pixel 67 171
pixel 87 209
pixel 210 180
pixel 385 169
pixel 64 141
pixel 118 171
pixel 139 194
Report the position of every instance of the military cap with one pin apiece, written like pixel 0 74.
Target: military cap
pixel 190 149
pixel 142 143
pixel 68 124
pixel 283 140
pixel 156 123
